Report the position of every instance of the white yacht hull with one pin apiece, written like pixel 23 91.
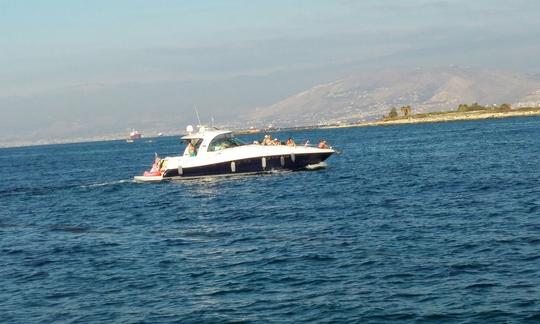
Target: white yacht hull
pixel 211 160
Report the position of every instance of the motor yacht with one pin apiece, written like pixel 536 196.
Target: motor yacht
pixel 212 152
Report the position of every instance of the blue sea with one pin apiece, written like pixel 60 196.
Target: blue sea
pixel 424 223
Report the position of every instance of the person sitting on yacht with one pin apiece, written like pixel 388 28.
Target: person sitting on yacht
pixel 323 145
pixel 267 140
pixel 155 170
pixel 290 142
pixel 276 142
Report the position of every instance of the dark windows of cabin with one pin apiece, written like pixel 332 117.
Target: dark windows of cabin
pixel 223 142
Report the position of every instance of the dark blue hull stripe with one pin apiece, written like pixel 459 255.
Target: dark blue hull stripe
pixel 252 165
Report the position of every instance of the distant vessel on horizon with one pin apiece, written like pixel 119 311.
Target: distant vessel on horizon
pixel 133 135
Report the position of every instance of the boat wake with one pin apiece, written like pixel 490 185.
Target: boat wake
pixel 218 177
pixel 109 183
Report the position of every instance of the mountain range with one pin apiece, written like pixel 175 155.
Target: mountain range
pixel 99 112
pixel 369 96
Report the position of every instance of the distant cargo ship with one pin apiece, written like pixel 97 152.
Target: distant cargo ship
pixel 134 135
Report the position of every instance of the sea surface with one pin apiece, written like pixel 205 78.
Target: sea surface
pixel 416 223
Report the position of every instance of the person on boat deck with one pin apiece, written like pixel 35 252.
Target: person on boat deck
pixel 290 142
pixel 267 140
pixel 276 142
pixel 323 145
pixel 155 166
pixel 155 170
pixel 191 149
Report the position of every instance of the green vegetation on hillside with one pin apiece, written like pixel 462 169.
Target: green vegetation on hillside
pixel 406 111
pixel 475 108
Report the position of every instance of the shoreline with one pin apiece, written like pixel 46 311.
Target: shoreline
pixel 437 117
pixel 454 116
pixel 442 118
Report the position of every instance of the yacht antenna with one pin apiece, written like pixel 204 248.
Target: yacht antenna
pixel 198 118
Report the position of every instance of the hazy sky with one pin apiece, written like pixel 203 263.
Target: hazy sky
pixel 81 68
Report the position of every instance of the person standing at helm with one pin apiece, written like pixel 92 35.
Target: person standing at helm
pixel 192 151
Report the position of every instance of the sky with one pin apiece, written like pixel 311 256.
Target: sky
pixel 75 69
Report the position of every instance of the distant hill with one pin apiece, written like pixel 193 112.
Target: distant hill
pixel 369 96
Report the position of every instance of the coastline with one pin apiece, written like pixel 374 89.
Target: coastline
pixel 436 117
pixel 444 117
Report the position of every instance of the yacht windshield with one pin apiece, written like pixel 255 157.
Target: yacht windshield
pixel 224 142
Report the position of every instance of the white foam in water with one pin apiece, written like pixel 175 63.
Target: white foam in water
pixel 320 165
pixel 101 184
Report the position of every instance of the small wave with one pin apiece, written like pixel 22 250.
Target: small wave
pixel 493 314
pixel 165 263
pixel 69 228
pixel 61 295
pixel 394 317
pixel 38 263
pixel 12 251
pixel 245 239
pixel 532 240
pixel 399 275
pixel 524 303
pixel 181 220
pixel 481 285
pixel 468 266
pixel 534 317
pixel 437 318
pixel 531 257
pixel 407 295
pixel 520 286
pixel 199 274
pixel 207 234
pixel 317 257
pixel 177 242
pixel 39 275
pixel 230 291
pixel 277 261
pixel 533 209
